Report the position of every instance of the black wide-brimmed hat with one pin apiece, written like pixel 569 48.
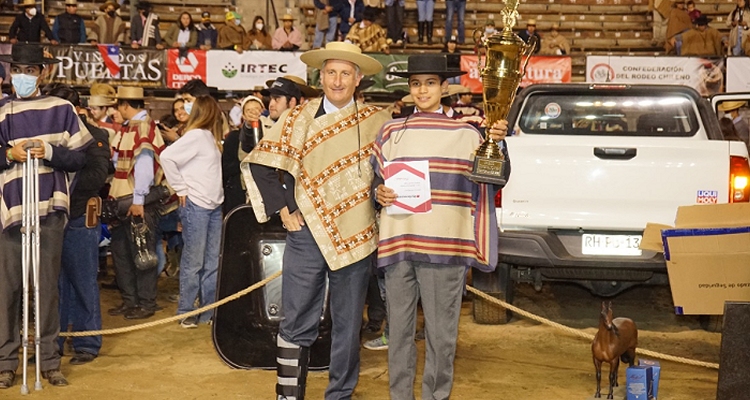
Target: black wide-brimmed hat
pixel 28 54
pixel 428 64
pixel 702 20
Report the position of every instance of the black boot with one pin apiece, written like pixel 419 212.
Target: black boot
pixel 420 31
pixel 429 31
pixel 290 354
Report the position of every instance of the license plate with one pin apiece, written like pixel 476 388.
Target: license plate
pixel 611 245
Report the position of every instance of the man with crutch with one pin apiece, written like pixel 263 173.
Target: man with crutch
pixel 45 129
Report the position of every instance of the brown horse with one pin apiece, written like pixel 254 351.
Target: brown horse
pixel 616 339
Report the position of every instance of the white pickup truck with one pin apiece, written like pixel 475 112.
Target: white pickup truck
pixel 592 164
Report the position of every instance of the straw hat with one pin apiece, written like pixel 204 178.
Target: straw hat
pixel 531 22
pixel 307 91
pixel 101 101
pixel 102 89
pixel 27 3
pixel 458 89
pixel 342 51
pixel 29 54
pixel 288 17
pixel 71 2
pixel 129 93
pixel 107 3
pixel 428 64
pixel 731 105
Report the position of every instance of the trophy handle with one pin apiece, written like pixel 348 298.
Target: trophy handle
pixel 477 37
pixel 529 50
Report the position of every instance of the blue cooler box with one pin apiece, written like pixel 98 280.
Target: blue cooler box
pixel 655 373
pixel 639 383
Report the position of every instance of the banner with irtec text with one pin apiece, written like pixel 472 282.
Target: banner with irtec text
pixel 229 70
pixel 706 75
pixel 82 65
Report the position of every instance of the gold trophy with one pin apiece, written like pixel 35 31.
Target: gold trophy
pixel 505 60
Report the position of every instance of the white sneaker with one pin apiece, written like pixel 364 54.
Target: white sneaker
pixel 379 343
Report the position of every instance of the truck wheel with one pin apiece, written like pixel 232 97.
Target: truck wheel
pixel 497 284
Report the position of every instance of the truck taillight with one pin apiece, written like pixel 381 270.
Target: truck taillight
pixel 499 199
pixel 739 180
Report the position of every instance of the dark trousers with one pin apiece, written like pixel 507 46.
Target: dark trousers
pixel 138 288
pixel 375 304
pixel 395 16
pixel 303 294
pixel 79 290
pixel 11 293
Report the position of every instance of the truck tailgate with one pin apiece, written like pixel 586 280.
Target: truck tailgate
pixel 609 183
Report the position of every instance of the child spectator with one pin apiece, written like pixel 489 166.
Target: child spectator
pixel 368 35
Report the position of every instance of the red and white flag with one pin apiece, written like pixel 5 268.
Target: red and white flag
pixel 111 57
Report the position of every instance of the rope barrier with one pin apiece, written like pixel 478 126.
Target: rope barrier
pixel 582 334
pixel 575 332
pixel 176 317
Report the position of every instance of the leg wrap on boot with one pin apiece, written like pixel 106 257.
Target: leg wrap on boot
pixel 291 369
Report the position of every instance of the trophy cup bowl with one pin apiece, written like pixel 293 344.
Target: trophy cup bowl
pixel 505 60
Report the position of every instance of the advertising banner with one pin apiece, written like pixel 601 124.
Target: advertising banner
pixel 541 69
pixel 82 65
pixel 706 75
pixel 738 80
pixel 192 65
pixel 229 70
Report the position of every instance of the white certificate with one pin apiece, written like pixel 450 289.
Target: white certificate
pixel 411 181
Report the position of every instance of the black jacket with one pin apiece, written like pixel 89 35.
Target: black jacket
pixel 30 30
pixel 89 180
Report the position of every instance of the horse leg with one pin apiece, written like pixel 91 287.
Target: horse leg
pixel 598 366
pixel 613 377
pixel 631 356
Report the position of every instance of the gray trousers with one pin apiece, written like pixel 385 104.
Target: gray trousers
pixel 440 287
pixel 11 293
pixel 302 297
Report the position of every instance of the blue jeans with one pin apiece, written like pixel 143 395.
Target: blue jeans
pixel 79 291
pixel 201 231
pixel 425 10
pixel 330 36
pixel 459 7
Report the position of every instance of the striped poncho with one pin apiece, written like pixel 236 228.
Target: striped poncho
pixel 54 121
pixel 461 229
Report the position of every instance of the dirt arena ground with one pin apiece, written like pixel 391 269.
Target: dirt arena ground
pixel 518 361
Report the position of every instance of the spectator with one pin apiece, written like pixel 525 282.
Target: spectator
pixel 368 35
pixel 702 40
pixel 453 57
pixel 286 37
pixel 98 106
pixel 136 147
pixel 737 21
pixel 459 8
pixel 232 35
pixel 284 95
pixel 731 110
pixel 555 44
pixel 171 134
pixel 326 22
pixel 182 34
pixel 109 27
pixel 394 11
pixel 693 12
pixel 52 123
pixel 235 113
pixel 144 27
pixel 425 11
pixel 234 193
pixel 660 10
pixel 530 32
pixel 258 37
pixel 79 290
pixel 69 26
pixel 191 166
pixel 465 104
pixel 728 130
pixel 28 27
pixel 350 12
pixel 207 33
pixel 679 21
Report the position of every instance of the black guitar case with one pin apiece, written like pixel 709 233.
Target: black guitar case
pixel 244 330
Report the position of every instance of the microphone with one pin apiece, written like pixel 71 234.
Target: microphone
pixel 257 134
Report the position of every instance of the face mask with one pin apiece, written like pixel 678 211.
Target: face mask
pixel 489 30
pixel 259 27
pixel 207 24
pixel 111 13
pixel 32 12
pixel 145 13
pixel 188 107
pixel 237 22
pixel 25 85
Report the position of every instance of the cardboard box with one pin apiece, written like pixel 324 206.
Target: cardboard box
pixel 639 383
pixel 707 254
pixel 655 374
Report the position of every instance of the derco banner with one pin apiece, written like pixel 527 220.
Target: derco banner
pixel 229 70
pixel 81 65
pixel 541 69
pixel 704 74
pixel 181 69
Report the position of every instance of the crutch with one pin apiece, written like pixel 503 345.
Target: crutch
pixel 30 261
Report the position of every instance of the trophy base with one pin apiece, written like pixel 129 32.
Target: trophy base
pixel 488 170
